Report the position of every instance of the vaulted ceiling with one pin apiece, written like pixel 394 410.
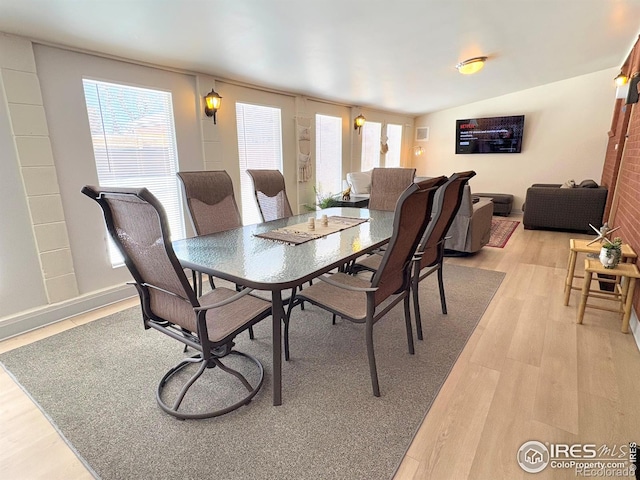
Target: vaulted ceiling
pixel 395 55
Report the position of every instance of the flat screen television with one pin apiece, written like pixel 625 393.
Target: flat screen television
pixel 490 135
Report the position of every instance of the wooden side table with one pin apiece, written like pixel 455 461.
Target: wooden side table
pixel 627 272
pixel 580 246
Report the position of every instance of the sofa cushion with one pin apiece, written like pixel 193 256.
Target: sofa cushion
pixel 360 182
pixel 588 184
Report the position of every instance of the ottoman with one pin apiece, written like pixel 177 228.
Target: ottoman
pixel 502 202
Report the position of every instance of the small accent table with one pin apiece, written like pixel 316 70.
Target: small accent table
pixel 354 201
pixel 580 246
pixel 626 272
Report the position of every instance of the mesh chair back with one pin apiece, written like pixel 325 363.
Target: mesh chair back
pixel 411 217
pixel 210 200
pixel 138 225
pixel 271 194
pixel 447 202
pixel 387 184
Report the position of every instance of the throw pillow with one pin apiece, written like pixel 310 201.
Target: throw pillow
pixel 360 182
pixel 568 184
pixel 588 184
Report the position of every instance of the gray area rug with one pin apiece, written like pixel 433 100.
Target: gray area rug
pixel 97 384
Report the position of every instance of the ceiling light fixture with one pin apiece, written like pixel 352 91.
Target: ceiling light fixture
pixel 359 122
pixel 471 66
pixel 211 104
pixel 621 80
pixel 418 150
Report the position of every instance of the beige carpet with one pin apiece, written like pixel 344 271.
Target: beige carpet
pixel 97 384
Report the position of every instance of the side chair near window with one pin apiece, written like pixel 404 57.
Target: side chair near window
pixel 211 204
pixel 271 197
pixel 138 225
pixel 362 301
pixel 430 251
pixel 387 184
pixel 271 194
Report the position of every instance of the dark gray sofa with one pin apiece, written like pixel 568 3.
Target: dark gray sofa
pixel 547 206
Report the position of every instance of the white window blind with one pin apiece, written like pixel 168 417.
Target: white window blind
pixel 370 158
pixel 259 147
pixel 328 154
pixel 394 141
pixel 134 144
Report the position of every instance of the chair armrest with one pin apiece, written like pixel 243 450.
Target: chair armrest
pixel 328 280
pixel 227 301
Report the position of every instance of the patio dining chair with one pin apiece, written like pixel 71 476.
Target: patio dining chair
pixel 138 225
pixel 273 204
pixel 387 184
pixel 367 301
pixel 430 251
pixel 271 194
pixel 211 205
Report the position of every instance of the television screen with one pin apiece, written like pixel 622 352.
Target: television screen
pixel 490 135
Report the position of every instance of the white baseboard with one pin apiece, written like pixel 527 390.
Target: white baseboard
pixel 23 322
pixel 634 325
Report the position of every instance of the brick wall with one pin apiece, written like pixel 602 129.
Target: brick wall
pixel 621 170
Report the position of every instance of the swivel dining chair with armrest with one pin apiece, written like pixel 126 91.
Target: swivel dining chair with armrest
pixel 362 301
pixel 138 225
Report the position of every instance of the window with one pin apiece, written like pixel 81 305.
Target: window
pixel 134 145
pixel 259 147
pixel 394 141
pixel 371 133
pixel 328 154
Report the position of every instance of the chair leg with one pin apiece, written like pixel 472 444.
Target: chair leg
pixel 286 339
pixel 407 321
pixel 415 283
pixel 292 299
pixel 196 276
pixel 372 359
pixel 443 301
pixel 333 319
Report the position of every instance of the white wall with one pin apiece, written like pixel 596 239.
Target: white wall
pixel 61 73
pixel 21 283
pixel 565 136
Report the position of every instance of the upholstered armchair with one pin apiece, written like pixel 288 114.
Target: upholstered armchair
pixel 471 228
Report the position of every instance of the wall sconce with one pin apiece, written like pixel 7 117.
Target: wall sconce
pixel 419 150
pixel 211 104
pixel 471 66
pixel 621 80
pixel 359 122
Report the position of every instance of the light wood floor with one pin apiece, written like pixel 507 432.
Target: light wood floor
pixel 528 373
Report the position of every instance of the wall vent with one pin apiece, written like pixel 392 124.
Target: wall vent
pixel 422 134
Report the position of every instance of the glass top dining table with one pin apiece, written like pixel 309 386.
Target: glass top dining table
pixel 241 257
